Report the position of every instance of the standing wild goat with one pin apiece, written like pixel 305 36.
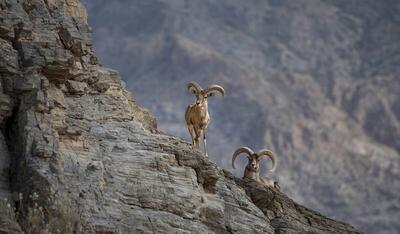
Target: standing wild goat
pixel 253 166
pixel 196 115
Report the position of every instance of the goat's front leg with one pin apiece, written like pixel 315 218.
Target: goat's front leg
pixel 192 135
pixel 197 133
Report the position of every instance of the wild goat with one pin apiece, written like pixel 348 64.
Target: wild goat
pixel 196 115
pixel 253 166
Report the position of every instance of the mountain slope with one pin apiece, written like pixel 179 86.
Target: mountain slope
pixel 79 156
pixel 315 81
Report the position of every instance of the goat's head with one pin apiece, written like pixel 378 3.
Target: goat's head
pixel 203 94
pixel 254 158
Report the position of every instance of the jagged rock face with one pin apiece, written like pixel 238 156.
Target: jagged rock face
pixel 316 82
pixel 69 127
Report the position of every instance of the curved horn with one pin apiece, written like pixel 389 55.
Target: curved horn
pixel 194 86
pixel 215 88
pixel 246 150
pixel 270 155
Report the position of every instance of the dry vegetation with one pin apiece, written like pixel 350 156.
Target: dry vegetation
pixel 58 218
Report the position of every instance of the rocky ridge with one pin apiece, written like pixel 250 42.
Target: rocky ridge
pixel 70 129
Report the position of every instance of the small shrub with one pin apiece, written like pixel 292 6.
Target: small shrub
pixel 57 218
pixel 8 221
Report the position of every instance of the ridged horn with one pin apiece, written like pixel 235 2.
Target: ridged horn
pixel 215 88
pixel 271 155
pixel 194 86
pixel 246 150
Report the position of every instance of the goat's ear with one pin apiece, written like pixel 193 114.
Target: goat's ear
pixel 193 91
pixel 210 94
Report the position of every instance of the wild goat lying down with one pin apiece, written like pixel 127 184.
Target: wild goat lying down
pixel 196 115
pixel 253 166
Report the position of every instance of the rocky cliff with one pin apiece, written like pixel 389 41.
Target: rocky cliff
pixel 74 139
pixel 317 81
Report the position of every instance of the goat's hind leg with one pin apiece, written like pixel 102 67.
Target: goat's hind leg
pixel 192 135
pixel 267 182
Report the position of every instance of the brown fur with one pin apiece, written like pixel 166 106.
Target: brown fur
pixel 197 116
pixel 252 169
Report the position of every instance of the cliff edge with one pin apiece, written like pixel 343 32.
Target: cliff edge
pixel 71 132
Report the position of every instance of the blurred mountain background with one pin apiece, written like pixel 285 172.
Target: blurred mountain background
pixel 315 81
